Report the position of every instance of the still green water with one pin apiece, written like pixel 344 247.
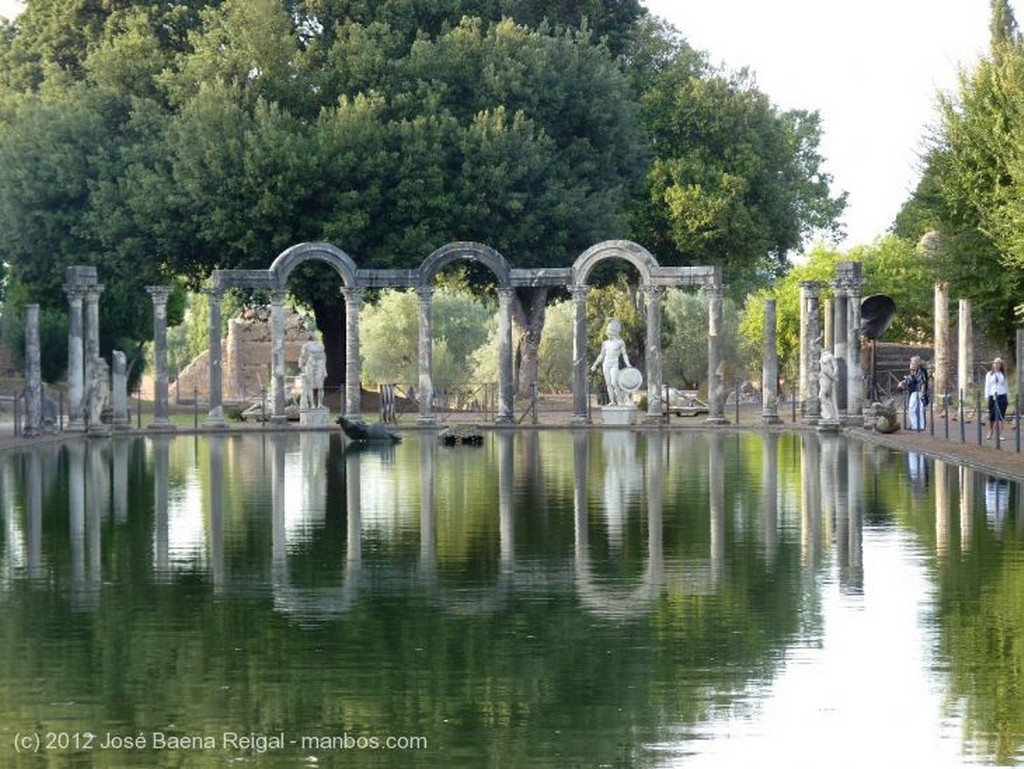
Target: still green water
pixel 551 599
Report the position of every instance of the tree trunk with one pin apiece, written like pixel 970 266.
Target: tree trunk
pixel 529 307
pixel 330 319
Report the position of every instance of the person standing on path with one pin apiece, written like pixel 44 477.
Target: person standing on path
pixel 997 393
pixel 916 385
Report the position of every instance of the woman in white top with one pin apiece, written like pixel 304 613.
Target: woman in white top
pixel 997 393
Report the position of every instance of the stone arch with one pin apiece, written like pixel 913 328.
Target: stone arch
pixel 477 252
pixel 633 253
pixel 433 264
pixel 293 256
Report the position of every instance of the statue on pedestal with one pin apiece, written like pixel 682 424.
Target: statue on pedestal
pixel 613 349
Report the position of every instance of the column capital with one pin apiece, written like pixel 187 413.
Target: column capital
pixel 812 286
pixel 715 290
pixel 653 291
pixel 92 292
pixel 213 293
pixel 74 292
pixel 352 294
pixel 579 291
pixel 159 294
pixel 505 294
pixel 277 296
pixel 425 293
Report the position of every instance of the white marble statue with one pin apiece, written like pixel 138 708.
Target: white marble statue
pixel 612 349
pixel 99 388
pixel 828 372
pixel 313 364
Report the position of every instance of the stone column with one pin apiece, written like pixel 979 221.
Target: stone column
pixel 506 393
pixel 810 337
pixel 580 391
pixel 76 359
pixel 92 331
pixel 942 347
pixel 33 373
pixel 426 385
pixel 120 419
pixel 965 352
pixel 770 367
pixel 653 374
pixel 353 409
pixel 215 416
pixel 854 369
pixel 1018 367
pixel 840 344
pixel 277 355
pixel 828 321
pixel 160 295
pixel 716 366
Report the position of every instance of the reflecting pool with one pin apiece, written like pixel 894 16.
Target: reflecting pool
pixel 550 599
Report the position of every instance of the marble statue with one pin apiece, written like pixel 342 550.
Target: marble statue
pixel 313 364
pixel 828 372
pixel 612 349
pixel 99 386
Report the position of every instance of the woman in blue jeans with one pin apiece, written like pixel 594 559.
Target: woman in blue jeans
pixel 916 385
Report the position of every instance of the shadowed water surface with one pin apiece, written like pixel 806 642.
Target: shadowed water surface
pixel 551 599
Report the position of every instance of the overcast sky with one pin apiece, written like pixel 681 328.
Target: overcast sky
pixel 871 69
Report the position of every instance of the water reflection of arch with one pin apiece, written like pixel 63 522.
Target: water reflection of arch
pixel 483 600
pixel 321 602
pixel 603 600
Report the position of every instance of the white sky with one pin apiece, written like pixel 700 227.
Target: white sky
pixel 871 68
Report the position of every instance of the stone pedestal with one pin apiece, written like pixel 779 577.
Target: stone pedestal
pixel 315 417
pixel 828 425
pixel 613 416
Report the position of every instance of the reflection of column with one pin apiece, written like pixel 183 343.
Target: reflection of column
pixel 278 530
pixel 76 382
pixel 216 444
pixel 506 514
pixel 277 354
pixel 855 507
pixel 76 513
pixel 941 507
pixel 353 505
pixel 162 560
pixel 426 394
pixel 428 527
pixel 33 376
pixel 34 503
pixel 770 495
pixel 833 515
pixel 810 499
pixel 770 367
pixel 120 486
pixel 716 502
pixel 716 366
pixel 160 295
pixel 580 496
pixel 505 385
pixel 966 508
pixel 96 496
pixel 655 478
pixel 215 416
pixel 580 391
pixel 654 368
pixel 353 366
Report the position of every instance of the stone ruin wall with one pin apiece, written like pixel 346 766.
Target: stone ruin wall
pixel 246 357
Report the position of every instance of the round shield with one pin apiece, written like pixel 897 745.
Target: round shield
pixel 630 379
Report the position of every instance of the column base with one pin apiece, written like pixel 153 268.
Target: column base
pixel 828 426
pixel 578 420
pixel 771 419
pixel 427 421
pixel 75 426
pixel 163 425
pixel 716 421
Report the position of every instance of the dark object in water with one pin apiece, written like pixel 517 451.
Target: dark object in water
pixel 358 431
pixel 461 435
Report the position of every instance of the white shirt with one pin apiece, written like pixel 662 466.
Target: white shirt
pixel 995 384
